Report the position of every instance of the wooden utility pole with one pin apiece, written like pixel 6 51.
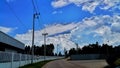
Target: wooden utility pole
pixel 34 17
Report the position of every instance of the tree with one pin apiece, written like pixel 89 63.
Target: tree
pixel 50 49
pixel 66 54
pixel 39 50
pixel 27 50
pixel 59 54
pixel 72 51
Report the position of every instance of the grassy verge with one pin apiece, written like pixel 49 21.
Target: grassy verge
pixel 36 65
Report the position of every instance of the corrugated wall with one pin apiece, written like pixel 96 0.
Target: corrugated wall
pixel 11 41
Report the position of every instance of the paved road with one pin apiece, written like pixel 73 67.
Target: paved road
pixel 76 64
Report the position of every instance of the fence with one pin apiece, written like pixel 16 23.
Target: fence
pixel 15 60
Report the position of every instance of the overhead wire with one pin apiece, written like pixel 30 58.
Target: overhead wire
pixel 13 12
pixel 37 10
pixel 34 7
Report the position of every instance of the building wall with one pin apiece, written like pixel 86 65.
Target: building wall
pixel 10 50
pixel 4 38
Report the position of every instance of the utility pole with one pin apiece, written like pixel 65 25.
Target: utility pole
pixel 65 52
pixel 57 49
pixel 107 48
pixel 45 34
pixel 34 17
pixel 77 48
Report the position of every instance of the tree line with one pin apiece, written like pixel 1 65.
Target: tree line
pixel 39 50
pixel 95 49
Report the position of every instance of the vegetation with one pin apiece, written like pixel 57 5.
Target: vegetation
pixel 39 50
pixel 108 52
pixel 36 65
pixel 95 49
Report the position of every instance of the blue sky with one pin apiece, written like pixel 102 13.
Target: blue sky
pixel 67 21
pixel 24 10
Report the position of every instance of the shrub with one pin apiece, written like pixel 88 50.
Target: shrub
pixel 113 60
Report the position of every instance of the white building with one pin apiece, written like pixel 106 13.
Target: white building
pixel 9 44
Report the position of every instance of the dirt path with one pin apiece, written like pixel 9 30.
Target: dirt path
pixel 76 64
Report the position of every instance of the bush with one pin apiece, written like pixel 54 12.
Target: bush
pixel 113 60
pixel 117 62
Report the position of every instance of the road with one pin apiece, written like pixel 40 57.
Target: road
pixel 76 64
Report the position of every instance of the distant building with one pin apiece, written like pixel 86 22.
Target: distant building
pixel 9 44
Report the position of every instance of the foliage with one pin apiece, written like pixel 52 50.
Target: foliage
pixel 117 62
pixel 39 50
pixel 108 52
pixel 95 49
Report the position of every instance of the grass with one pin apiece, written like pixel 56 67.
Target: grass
pixel 108 66
pixel 36 65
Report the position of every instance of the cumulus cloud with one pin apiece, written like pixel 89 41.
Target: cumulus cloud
pixel 58 28
pixel 59 3
pixel 103 28
pixel 88 5
pixel 115 27
pixel 51 30
pixel 6 29
pixel 89 30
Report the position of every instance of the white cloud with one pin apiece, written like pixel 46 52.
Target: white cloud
pixel 102 30
pixel 90 23
pixel 115 27
pixel 106 27
pixel 59 3
pixel 6 29
pixel 56 12
pixel 84 32
pixel 88 5
pixel 58 28
pixel 51 30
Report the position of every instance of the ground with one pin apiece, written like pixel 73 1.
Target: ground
pixel 76 64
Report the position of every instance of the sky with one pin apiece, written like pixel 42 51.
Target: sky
pixel 67 22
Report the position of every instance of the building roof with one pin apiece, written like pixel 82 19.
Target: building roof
pixel 4 38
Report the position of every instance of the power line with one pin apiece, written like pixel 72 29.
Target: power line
pixel 35 4
pixel 15 15
pixel 34 7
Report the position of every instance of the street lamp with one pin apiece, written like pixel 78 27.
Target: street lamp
pixel 44 34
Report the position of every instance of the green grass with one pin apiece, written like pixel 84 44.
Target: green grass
pixel 36 65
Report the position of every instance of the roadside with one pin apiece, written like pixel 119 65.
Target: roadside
pixel 90 63
pixel 36 65
pixel 76 64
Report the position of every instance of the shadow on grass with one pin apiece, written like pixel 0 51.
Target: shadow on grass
pixel 107 67
pixel 36 65
pixel 111 67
